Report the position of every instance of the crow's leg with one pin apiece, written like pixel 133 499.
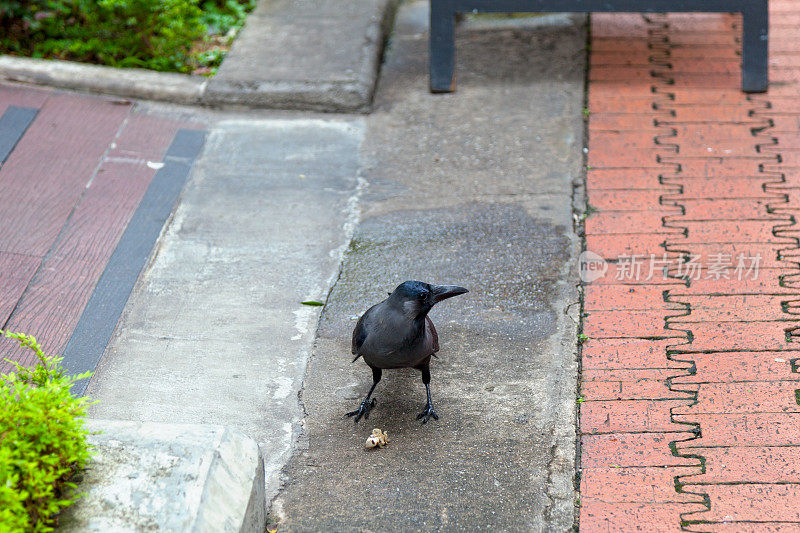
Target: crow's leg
pixel 426 379
pixel 367 405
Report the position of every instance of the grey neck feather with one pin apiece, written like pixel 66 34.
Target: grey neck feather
pixel 414 310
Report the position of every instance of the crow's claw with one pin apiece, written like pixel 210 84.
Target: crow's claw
pixel 363 410
pixel 427 414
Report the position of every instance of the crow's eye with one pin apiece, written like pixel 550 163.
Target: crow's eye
pixel 423 295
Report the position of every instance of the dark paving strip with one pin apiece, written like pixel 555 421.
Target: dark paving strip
pixel 13 124
pixel 100 317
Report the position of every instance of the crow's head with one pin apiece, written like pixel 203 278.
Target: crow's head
pixel 418 297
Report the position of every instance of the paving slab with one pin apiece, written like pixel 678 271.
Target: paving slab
pixel 473 188
pixel 214 331
pixel 307 54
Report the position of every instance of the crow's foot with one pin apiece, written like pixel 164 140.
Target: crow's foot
pixel 427 414
pixel 363 410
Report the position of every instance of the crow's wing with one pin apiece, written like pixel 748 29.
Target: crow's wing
pixel 430 330
pixel 360 333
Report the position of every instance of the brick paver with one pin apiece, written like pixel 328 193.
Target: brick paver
pixel 69 189
pixel 690 418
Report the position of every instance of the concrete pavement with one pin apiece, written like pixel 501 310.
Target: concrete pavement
pixel 215 331
pixel 474 188
pixel 688 380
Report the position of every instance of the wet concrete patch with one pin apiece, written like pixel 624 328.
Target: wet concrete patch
pixel 485 463
pixel 508 259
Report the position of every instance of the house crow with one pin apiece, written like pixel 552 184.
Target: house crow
pixel 397 333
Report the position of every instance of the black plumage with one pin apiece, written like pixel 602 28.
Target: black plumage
pixel 398 333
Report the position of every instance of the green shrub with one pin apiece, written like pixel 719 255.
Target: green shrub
pixel 220 16
pixel 42 442
pixel 165 35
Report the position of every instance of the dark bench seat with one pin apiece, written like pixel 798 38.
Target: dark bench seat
pixel 754 39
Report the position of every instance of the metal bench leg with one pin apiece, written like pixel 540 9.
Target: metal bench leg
pixel 755 47
pixel 442 47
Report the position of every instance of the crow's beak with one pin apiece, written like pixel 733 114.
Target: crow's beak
pixel 443 292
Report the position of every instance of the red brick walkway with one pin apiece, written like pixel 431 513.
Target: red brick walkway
pixel 691 418
pixel 67 193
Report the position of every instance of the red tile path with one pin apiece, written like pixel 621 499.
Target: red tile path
pixel 69 189
pixel 691 418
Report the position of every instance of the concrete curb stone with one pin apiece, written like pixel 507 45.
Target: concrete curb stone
pixel 129 83
pixel 308 73
pixel 169 477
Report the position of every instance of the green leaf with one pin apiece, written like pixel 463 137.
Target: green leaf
pixel 313 303
pixel 164 35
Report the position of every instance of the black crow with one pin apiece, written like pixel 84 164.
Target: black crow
pixel 397 333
